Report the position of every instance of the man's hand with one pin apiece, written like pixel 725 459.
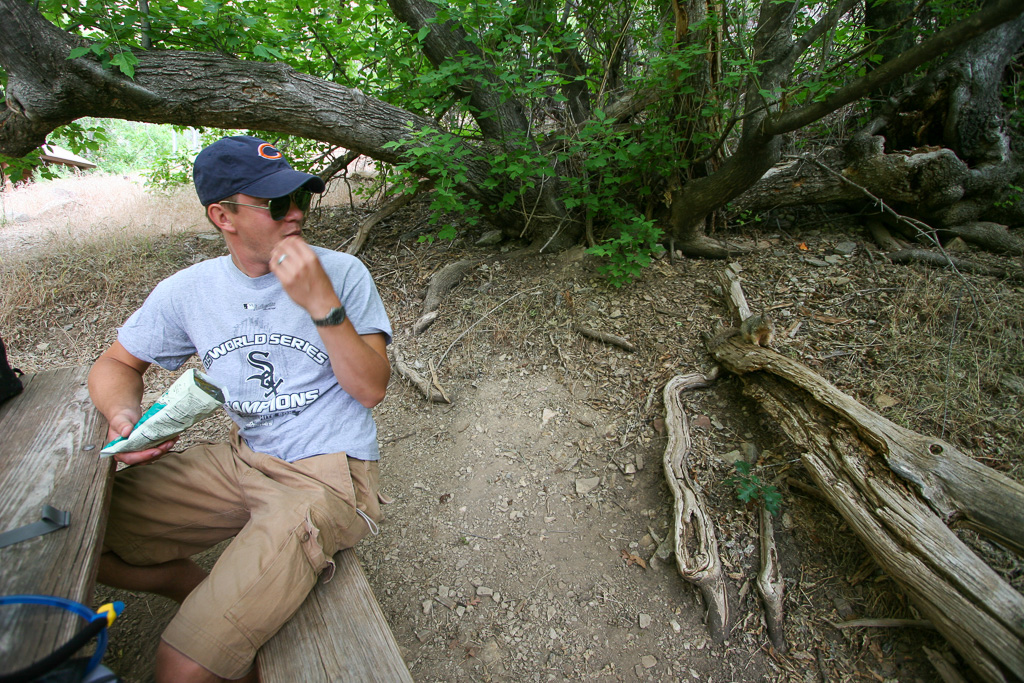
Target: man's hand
pixel 150 455
pixel 302 276
pixel 360 362
pixel 115 386
pixel 121 425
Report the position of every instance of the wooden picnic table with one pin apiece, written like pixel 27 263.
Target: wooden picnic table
pixel 50 439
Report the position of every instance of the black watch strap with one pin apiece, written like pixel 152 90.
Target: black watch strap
pixel 335 316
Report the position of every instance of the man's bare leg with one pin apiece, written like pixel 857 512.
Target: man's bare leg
pixel 174 579
pixel 174 667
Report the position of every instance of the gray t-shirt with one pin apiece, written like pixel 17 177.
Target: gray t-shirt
pixel 264 349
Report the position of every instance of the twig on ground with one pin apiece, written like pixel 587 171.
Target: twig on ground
pixel 418 380
pixel 605 337
pixel 436 382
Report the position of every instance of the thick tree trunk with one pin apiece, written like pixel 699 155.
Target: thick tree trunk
pixel 500 118
pixel 883 21
pixel 444 42
pixel 959 106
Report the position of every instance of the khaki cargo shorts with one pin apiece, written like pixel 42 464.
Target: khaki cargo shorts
pixel 287 519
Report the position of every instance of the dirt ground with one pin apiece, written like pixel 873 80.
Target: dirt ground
pixel 522 541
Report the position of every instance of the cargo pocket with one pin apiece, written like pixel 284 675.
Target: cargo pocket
pixel 278 591
pixel 331 472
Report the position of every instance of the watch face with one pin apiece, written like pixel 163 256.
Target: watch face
pixel 335 317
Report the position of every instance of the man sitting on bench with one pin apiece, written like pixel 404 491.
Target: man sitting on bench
pixel 297 335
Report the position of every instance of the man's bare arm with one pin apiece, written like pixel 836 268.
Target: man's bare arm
pixel 116 387
pixel 360 362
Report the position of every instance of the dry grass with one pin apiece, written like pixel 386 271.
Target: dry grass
pixel 952 354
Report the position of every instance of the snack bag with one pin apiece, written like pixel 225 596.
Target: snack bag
pixel 192 398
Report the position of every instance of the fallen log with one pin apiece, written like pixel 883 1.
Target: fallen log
pixel 990 236
pixel 883 237
pixel 899 491
pixel 696 547
pixel 941 260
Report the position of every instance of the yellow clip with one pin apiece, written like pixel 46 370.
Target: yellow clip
pixel 109 610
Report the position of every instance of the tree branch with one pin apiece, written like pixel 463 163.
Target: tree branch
pixel 826 23
pixel 987 18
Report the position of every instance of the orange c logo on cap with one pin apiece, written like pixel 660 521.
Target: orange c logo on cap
pixel 267 151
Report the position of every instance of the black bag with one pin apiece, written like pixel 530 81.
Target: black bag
pixel 10 385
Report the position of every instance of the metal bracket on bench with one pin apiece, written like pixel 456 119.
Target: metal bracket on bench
pixel 52 520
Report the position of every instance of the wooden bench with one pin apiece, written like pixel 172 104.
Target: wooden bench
pixel 339 634
pixel 50 441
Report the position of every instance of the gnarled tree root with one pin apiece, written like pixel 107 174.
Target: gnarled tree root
pixel 445 279
pixel 897 490
pixel 991 236
pixel 702 246
pixel 441 283
pixel 359 239
pixel 605 337
pixel 430 391
pixel 769 581
pixel 939 260
pixel 696 548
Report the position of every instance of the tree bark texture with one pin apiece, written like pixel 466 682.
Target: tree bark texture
pixel 898 491
pixel 924 180
pixel 770 583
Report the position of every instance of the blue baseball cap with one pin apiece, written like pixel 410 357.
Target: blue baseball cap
pixel 248 165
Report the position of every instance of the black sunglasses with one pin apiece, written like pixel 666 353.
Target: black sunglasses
pixel 279 206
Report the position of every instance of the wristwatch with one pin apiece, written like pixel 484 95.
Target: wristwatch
pixel 336 316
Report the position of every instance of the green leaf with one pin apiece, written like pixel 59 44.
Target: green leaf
pixel 78 52
pixel 126 62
